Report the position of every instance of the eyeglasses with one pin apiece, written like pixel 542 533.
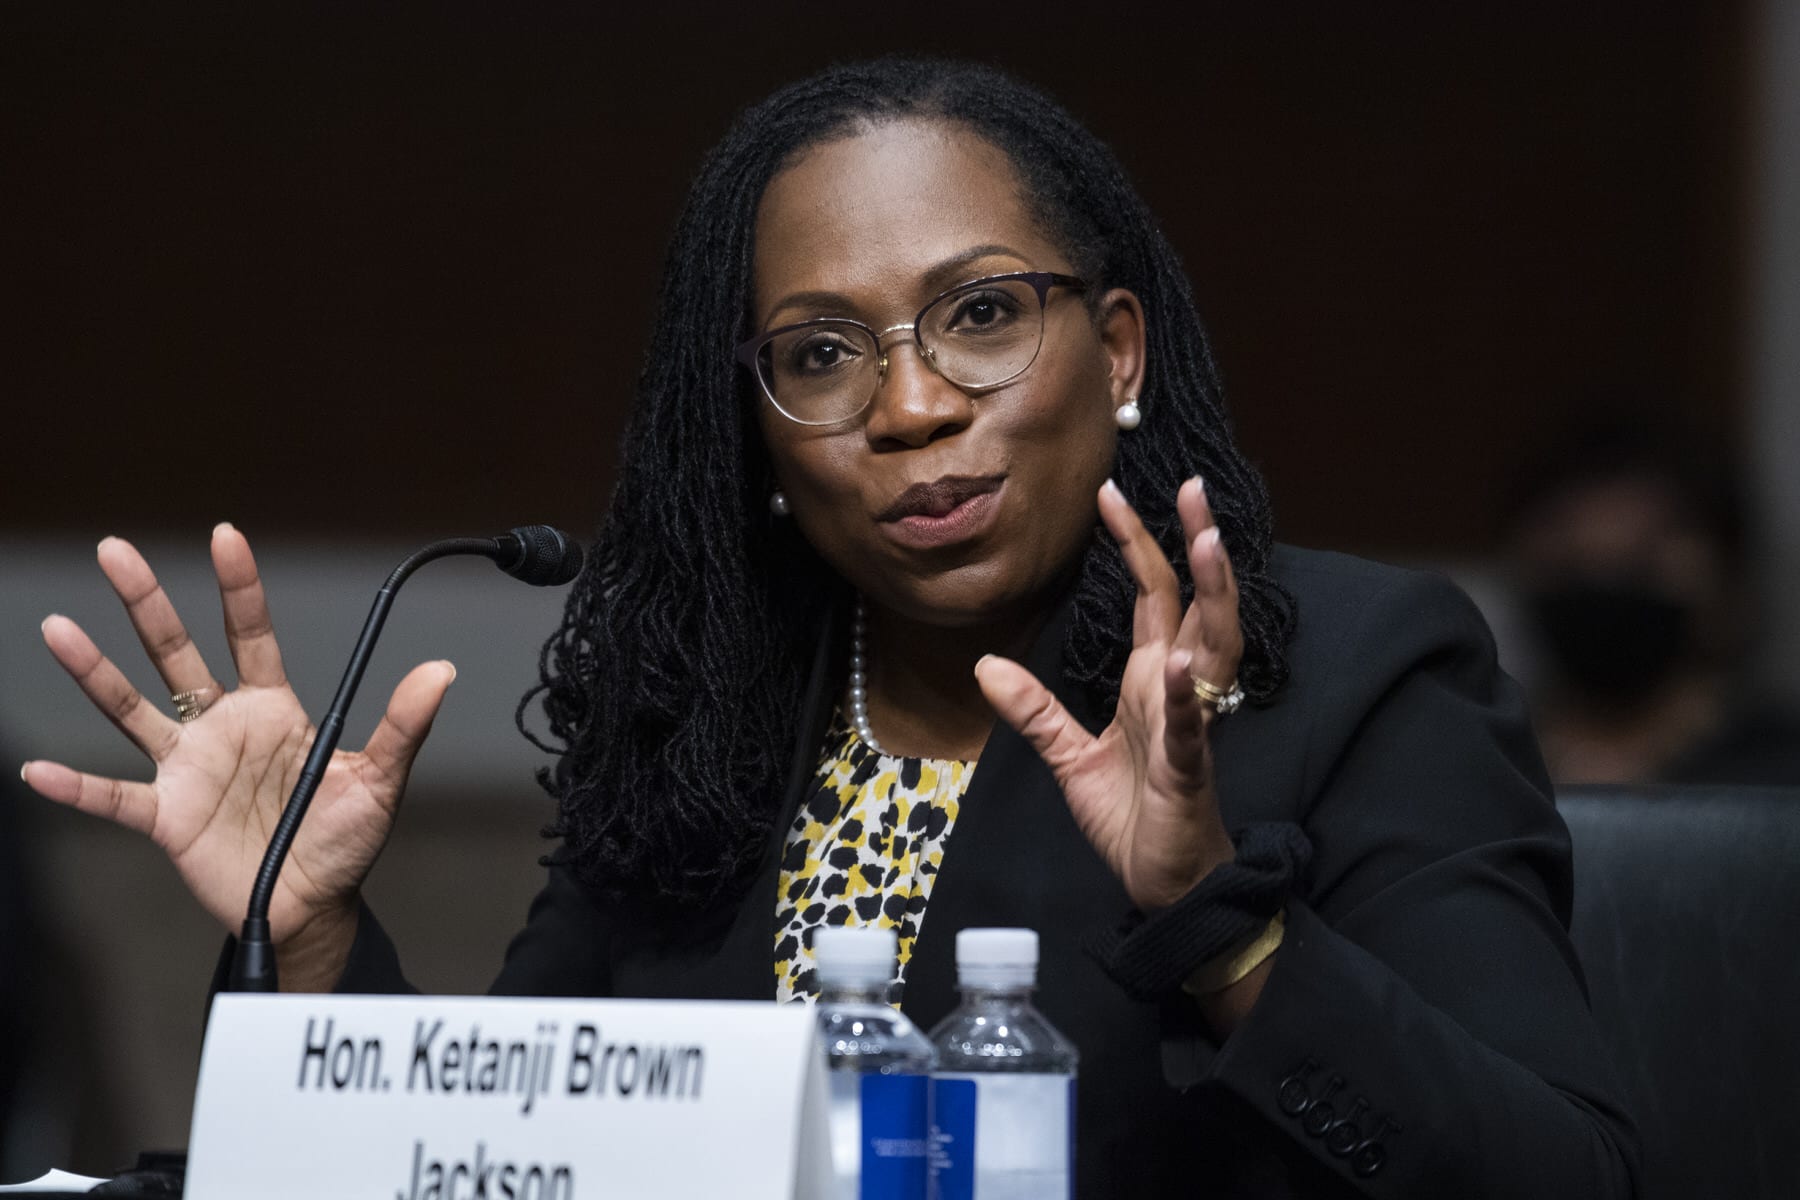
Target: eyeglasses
pixel 977 335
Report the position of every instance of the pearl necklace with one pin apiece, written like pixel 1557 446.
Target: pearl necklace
pixel 859 679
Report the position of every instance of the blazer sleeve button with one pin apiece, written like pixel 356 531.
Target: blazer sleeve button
pixel 1293 1097
pixel 1369 1160
pixel 1319 1118
pixel 1320 1115
pixel 1343 1138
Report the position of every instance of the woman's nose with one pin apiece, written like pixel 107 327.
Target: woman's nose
pixel 913 404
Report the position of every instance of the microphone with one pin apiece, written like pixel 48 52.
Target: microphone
pixel 537 554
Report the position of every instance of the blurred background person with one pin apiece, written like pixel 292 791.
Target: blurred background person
pixel 1630 552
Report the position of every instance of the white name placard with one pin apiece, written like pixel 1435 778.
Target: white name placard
pixel 458 1098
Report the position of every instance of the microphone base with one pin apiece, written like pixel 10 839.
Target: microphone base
pixel 253 964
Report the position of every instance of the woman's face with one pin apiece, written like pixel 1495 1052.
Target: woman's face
pixel 872 228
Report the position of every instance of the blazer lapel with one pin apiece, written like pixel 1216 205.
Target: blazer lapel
pixel 1014 842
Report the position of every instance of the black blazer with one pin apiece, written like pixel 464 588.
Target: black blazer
pixel 1424 1031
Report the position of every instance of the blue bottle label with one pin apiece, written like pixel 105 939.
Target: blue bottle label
pixel 953 1104
pixel 895 1136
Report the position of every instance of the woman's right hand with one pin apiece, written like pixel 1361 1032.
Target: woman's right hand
pixel 222 779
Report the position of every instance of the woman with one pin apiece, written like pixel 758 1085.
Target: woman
pixel 918 342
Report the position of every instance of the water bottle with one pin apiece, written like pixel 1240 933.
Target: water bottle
pixel 880 1070
pixel 1003 1095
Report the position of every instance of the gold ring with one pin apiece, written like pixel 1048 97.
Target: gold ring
pixel 1222 699
pixel 189 705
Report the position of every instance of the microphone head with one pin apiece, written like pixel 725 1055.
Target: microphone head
pixel 544 557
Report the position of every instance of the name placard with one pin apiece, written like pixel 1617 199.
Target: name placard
pixel 458 1098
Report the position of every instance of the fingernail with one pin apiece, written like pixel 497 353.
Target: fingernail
pixel 1201 482
pixel 102 542
pixel 44 625
pixel 452 667
pixel 224 527
pixel 1207 538
pixel 1111 486
pixel 22 767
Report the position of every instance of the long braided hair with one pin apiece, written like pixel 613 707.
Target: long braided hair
pixel 672 686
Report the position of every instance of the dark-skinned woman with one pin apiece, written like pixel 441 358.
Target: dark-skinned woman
pixel 928 432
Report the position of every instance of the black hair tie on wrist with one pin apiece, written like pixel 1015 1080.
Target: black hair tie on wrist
pixel 1150 956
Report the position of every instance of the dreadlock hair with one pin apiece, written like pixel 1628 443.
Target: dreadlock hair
pixel 672 686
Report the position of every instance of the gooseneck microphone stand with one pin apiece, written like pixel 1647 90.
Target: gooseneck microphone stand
pixel 535 553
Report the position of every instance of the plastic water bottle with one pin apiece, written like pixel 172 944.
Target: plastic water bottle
pixel 1003 1096
pixel 880 1075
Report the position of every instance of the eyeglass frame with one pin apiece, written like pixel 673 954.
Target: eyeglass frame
pixel 1041 282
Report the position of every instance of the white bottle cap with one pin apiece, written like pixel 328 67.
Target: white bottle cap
pixel 996 958
pixel 854 956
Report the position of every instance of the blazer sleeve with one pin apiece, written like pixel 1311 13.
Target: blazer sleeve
pixel 564 949
pixel 566 946
pixel 1424 1029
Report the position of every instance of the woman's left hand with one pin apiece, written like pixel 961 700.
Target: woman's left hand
pixel 1142 791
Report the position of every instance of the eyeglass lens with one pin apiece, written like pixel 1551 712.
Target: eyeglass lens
pixel 975 337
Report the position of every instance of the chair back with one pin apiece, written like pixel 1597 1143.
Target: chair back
pixel 1687 921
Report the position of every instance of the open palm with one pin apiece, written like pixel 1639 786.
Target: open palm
pixel 1142 790
pixel 221 780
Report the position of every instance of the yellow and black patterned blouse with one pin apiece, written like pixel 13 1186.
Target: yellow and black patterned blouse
pixel 863 850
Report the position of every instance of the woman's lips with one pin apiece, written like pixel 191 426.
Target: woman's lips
pixel 968 518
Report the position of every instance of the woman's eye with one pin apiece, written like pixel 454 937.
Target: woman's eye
pixel 983 310
pixel 819 355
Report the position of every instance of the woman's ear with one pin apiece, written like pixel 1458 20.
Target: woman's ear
pixel 1120 323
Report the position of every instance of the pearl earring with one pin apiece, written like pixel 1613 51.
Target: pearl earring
pixel 778 503
pixel 1127 414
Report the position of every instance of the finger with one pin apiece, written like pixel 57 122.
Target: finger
pixel 1212 618
pixel 123 801
pixel 1186 720
pixel 1157 614
pixel 410 712
pixel 103 683
pixel 158 626
pixel 248 629
pixel 1029 707
pixel 1210 627
pixel 1208 564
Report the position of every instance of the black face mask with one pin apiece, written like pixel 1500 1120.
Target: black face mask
pixel 1613 641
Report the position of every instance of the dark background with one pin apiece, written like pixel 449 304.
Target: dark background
pixel 358 277
pixel 331 271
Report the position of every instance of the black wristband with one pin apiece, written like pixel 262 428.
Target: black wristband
pixel 1150 956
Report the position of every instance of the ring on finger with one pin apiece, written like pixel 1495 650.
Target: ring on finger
pixel 1223 700
pixel 190 704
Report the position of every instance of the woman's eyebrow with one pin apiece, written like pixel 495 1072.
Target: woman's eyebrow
pixel 811 302
pixel 942 275
pixel 951 271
